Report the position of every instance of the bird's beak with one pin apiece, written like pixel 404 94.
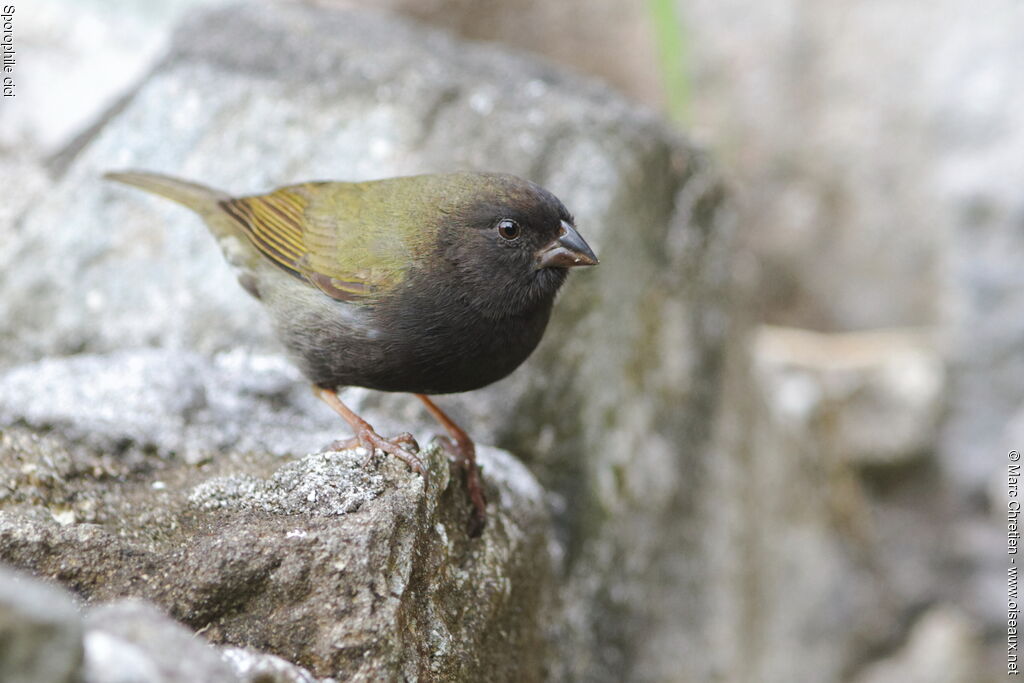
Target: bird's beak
pixel 567 251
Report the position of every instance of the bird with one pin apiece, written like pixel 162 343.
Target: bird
pixel 425 284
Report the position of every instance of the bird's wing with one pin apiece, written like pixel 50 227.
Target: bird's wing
pixel 321 232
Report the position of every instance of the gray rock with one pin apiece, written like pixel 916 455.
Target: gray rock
pixel 868 398
pixel 344 567
pixel 828 115
pixel 25 183
pixel 176 402
pixel 882 186
pixel 79 58
pixel 258 667
pixel 612 412
pixel 822 539
pixel 43 639
pixel 254 667
pixel 978 177
pixel 944 647
pixel 40 631
pixel 877 151
pixel 133 642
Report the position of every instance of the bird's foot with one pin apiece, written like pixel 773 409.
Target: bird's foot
pixel 465 455
pixel 405 439
pixel 403 446
pixel 367 438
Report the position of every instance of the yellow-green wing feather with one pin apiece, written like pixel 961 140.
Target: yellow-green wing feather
pixel 273 223
pixel 358 235
pixel 332 234
pixel 351 240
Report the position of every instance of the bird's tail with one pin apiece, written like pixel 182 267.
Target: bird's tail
pixel 203 200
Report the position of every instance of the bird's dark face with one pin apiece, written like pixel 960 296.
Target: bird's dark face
pixel 512 245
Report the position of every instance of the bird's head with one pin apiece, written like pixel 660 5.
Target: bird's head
pixel 511 243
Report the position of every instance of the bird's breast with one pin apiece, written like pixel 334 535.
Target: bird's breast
pixel 414 344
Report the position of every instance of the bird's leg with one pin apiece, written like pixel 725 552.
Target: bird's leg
pixel 368 438
pixel 465 451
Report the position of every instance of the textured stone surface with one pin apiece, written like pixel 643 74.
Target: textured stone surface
pixel 40 631
pixel 25 182
pixel 613 411
pixel 346 568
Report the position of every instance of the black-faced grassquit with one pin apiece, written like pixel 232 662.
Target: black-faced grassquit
pixel 427 284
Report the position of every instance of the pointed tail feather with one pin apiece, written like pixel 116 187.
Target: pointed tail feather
pixel 201 199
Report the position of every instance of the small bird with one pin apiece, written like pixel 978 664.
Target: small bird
pixel 427 284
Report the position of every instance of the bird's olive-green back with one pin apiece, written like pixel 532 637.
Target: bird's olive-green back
pixel 354 240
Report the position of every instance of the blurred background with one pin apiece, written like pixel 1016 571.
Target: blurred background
pixel 874 153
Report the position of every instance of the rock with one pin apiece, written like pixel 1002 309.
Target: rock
pixel 830 512
pixel 880 183
pixel 876 159
pixel 26 183
pixel 333 562
pixel 879 176
pixel 40 631
pixel 978 179
pixel 337 565
pixel 828 117
pixel 837 430
pixel 870 398
pixel 613 412
pixel 87 55
pixel 131 641
pixel 257 667
pixel 176 402
pixel 44 639
pixel 775 544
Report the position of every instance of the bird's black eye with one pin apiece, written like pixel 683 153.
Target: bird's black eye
pixel 508 229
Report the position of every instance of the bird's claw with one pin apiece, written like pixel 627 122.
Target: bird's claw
pixel 372 442
pixel 408 439
pixel 465 456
